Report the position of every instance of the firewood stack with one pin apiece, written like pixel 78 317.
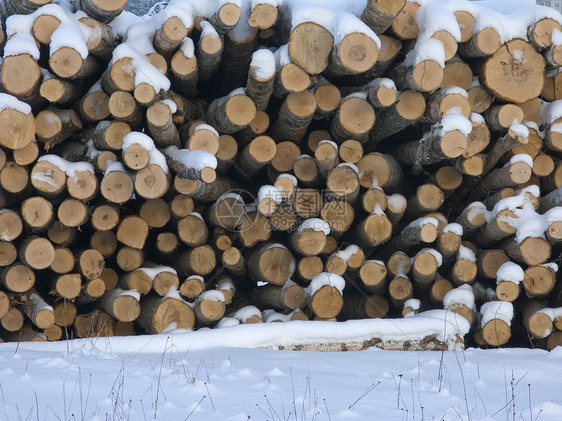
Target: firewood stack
pixel 229 162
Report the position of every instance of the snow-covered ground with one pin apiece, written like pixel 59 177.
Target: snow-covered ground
pixel 189 376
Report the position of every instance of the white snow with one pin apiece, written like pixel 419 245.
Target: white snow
pixel 556 128
pixel 421 222
pixel 325 278
pixel 534 126
pixel 290 177
pixel 435 253
pixel 247 312
pixel 21 43
pixel 512 19
pixel 68 35
pixel 282 57
pixel 477 118
pixel 381 82
pixel 454 90
pixel 44 177
pixel 455 121
pixel 117 292
pixel 396 201
pixel 287 284
pixel 263 61
pixel 530 224
pixel 348 23
pixel 155 156
pixel 521 157
pixel 475 208
pixel 171 104
pixel 121 23
pixel 552 266
pixel 378 210
pixel 502 310
pixel 227 322
pixel 520 130
pixel 69 168
pixel 231 195
pixel 413 303
pixel 454 228
pixel 357 94
pixel 187 47
pixel 461 295
pixel 195 276
pixel 426 49
pixel 211 295
pixel 137 138
pixel 346 253
pixel 271 316
pixel 208 30
pixel 114 166
pixel 514 203
pixel 155 271
pixel 237 91
pixel 553 313
pixel 465 253
pixel 11 102
pixel 553 215
pixel 308 12
pixel 271 192
pixel 242 31
pixel 197 215
pixel 315 224
pixel 197 160
pixel 434 17
pixel 274 3
pixel 329 142
pixel 556 38
pixel 550 112
pixel 350 165
pixel 207 127
pixel 510 272
pixel 173 293
pixel 211 374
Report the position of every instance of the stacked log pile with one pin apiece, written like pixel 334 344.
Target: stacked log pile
pixel 244 162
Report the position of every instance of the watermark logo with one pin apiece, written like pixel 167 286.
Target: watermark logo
pixel 238 210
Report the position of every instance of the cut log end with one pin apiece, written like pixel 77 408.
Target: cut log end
pixel 466 24
pixel 66 62
pixel 541 33
pixel 427 75
pixel 405 26
pixel 507 291
pixel 309 47
pixel 263 16
pixel 496 332
pixel 356 116
pixel 240 110
pixel 535 250
pixel 515 72
pixel 18 128
pixel 357 52
pixel 327 302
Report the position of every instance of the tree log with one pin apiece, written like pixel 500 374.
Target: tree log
pixel 522 79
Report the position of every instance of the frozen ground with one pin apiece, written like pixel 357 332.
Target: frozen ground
pixel 178 377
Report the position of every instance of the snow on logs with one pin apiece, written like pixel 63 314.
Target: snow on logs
pixel 227 162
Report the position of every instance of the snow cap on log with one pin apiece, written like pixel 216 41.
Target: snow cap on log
pixel 502 310
pixel 461 295
pixel 510 272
